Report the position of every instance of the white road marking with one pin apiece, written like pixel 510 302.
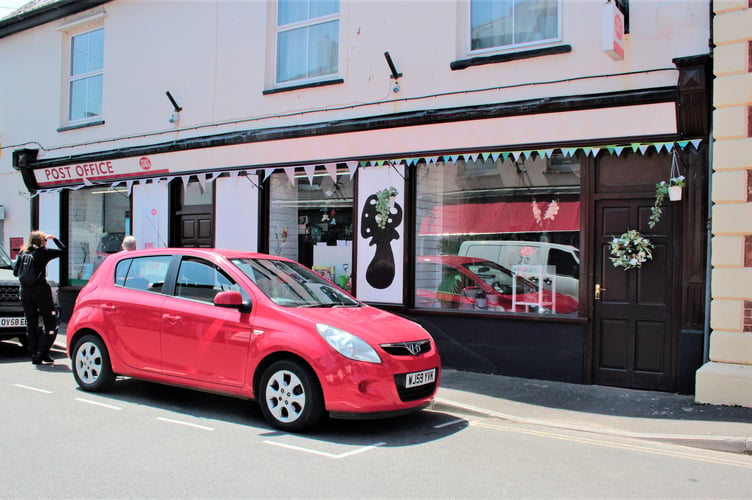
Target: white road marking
pixel 701 456
pixel 323 453
pixel 451 422
pixel 97 403
pixel 33 388
pixel 187 424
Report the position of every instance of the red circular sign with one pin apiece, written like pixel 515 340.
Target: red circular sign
pixel 619 27
pixel 154 211
pixel 145 163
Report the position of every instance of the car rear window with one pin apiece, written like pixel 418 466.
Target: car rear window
pixel 143 273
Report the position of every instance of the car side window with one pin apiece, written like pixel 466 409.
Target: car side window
pixel 143 273
pixel 201 280
pixel 564 263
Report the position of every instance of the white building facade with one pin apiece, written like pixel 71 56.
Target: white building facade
pixel 373 142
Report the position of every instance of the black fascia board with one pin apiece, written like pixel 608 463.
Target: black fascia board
pixel 424 117
pixel 45 14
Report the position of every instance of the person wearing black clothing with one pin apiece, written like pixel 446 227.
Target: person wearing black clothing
pixel 37 298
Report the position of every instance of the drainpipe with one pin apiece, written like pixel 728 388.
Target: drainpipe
pixel 709 252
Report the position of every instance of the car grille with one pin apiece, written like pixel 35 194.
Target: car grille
pixel 413 393
pixel 407 348
pixel 9 293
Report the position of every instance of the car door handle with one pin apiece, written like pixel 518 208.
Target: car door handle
pixel 171 319
pixel 108 307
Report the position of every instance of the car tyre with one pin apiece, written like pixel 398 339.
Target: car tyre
pixel 290 396
pixel 91 364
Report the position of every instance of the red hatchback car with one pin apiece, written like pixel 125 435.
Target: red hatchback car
pixel 252 326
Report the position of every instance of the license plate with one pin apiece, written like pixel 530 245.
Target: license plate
pixel 12 322
pixel 420 378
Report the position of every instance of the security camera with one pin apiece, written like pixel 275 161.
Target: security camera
pixel 395 88
pixel 175 118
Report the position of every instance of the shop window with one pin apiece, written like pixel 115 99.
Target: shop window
pixel 85 76
pixel 310 221
pixel 513 23
pixel 99 218
pixel 498 235
pixel 307 40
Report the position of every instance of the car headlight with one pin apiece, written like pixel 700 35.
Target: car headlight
pixel 348 344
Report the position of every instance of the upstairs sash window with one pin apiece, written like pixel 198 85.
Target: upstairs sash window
pixel 503 24
pixel 307 40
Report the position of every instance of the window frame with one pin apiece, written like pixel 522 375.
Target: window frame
pixel 305 24
pixel 69 32
pixel 512 47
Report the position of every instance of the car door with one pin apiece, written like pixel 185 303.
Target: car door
pixel 202 341
pixel 132 311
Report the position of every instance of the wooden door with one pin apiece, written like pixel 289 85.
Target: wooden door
pixel 196 229
pixel 633 322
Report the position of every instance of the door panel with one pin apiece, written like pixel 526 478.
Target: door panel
pixel 196 230
pixel 633 320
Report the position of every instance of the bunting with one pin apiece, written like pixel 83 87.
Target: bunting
pixel 352 165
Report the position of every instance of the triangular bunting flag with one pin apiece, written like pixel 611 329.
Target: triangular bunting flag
pixel 309 170
pixel 696 143
pixel 352 167
pixel 618 150
pixel 332 169
pixel 644 148
pixel 290 171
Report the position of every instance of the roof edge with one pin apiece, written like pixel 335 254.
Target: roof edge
pixel 44 14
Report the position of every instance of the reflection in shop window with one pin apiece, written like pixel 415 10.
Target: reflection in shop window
pixel 310 221
pixel 98 220
pixel 499 235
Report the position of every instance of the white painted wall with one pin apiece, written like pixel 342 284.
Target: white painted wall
pixel 217 57
pixel 236 213
pixel 49 222
pixel 151 214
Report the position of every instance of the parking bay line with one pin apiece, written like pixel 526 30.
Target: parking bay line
pixel 187 424
pixel 324 453
pixel 97 403
pixel 36 389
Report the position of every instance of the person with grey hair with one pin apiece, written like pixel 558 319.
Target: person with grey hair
pixel 129 243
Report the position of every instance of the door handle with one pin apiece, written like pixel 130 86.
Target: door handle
pixel 598 290
pixel 107 307
pixel 171 319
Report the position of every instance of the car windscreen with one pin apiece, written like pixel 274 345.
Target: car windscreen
pixel 290 284
pixel 5 262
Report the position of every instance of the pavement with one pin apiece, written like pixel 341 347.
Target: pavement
pixel 600 410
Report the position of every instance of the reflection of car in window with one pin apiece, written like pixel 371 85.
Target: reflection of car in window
pixel 565 259
pixel 451 281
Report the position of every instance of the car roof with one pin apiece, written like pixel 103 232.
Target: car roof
pixel 198 252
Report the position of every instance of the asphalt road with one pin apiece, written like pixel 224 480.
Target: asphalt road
pixel 146 440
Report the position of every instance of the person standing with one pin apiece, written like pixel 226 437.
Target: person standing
pixel 37 296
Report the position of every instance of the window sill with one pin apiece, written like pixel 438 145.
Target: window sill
pixel 81 125
pixel 325 83
pixel 509 56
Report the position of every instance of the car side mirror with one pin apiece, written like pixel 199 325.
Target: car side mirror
pixel 232 299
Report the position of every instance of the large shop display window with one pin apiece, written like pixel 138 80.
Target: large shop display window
pixel 99 218
pixel 499 235
pixel 310 221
